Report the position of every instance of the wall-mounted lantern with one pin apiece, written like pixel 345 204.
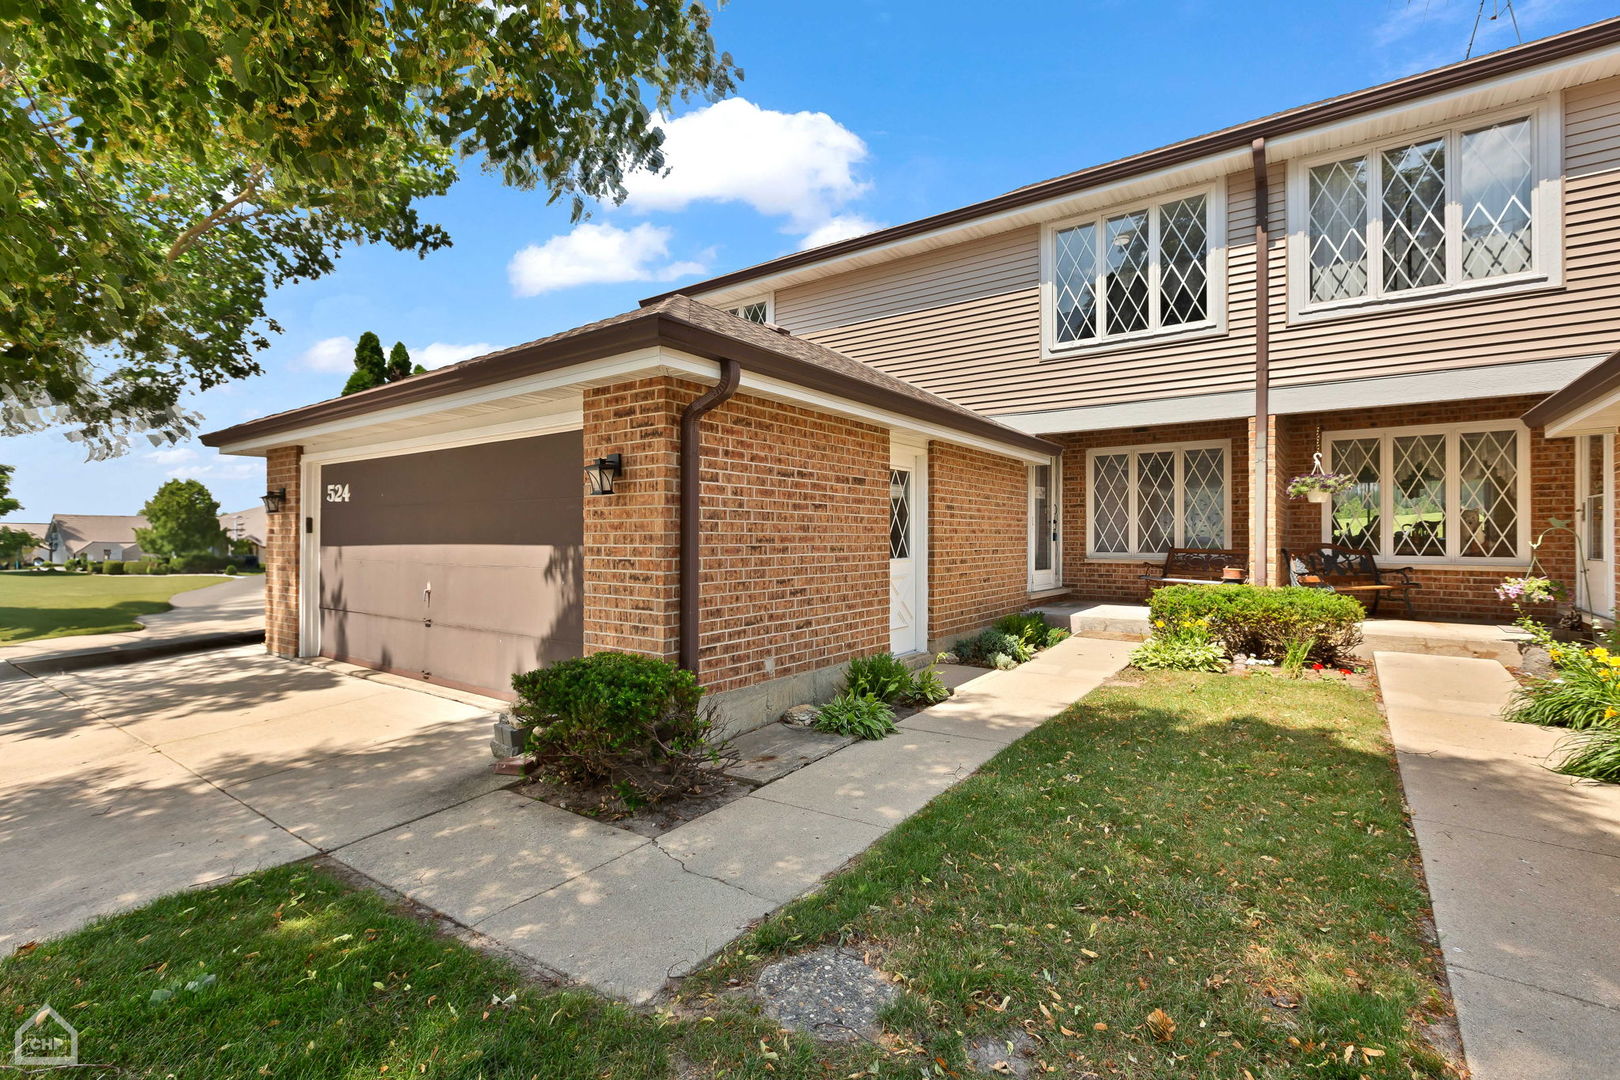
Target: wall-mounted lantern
pixel 274 500
pixel 602 473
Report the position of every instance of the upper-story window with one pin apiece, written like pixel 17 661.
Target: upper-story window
pixel 1132 273
pixel 1459 208
pixel 755 311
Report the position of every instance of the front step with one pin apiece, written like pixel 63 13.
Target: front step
pixel 1098 619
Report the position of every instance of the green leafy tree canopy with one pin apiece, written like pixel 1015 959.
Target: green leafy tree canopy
pixel 182 519
pixel 165 163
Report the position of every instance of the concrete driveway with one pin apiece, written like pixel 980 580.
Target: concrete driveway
pixel 126 782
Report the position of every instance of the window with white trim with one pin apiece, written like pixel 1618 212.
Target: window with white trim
pixel 1453 494
pixel 1451 209
pixel 1145 500
pixel 1133 273
pixel 755 311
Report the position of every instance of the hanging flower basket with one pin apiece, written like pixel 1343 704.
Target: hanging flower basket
pixel 1319 487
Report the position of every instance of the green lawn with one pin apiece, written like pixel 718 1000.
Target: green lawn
pixel 36 605
pixel 1228 851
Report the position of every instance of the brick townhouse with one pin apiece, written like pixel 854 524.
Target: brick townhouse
pixel 888 441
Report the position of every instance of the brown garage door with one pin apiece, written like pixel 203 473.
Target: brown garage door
pixel 457 566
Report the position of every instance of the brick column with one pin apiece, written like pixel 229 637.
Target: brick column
pixel 631 592
pixel 282 541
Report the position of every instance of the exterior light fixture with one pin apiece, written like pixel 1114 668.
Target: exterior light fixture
pixel 602 472
pixel 275 500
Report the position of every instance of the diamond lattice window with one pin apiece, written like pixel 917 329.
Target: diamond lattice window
pixel 1450 494
pixel 1495 175
pixel 1125 275
pixel 1415 216
pixel 1357 510
pixel 757 312
pixel 1148 501
pixel 899 514
pixel 1183 262
pixel 1487 493
pixel 1338 242
pixel 1103 272
pixel 1155 501
pixel 1075 283
pixel 1204 498
pixel 1111 503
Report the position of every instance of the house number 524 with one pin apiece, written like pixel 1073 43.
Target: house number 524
pixel 337 492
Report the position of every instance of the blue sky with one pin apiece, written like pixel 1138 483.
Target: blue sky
pixel 853 115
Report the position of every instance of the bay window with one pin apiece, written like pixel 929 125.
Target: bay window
pixel 1451 209
pixel 1131 273
pixel 1453 494
pixel 1146 500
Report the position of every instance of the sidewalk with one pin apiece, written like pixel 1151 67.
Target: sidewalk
pixel 1524 869
pixel 214 616
pixel 625 914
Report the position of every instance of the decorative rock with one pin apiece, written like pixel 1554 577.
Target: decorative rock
pixel 947 658
pixel 510 739
pixel 801 715
pixel 828 993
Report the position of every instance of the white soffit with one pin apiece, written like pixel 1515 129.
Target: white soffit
pixel 1496 380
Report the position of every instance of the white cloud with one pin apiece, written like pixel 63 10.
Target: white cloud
pixel 841 227
pixel 794 165
pixel 174 455
pixel 597 255
pixel 440 353
pixel 334 355
pixel 218 470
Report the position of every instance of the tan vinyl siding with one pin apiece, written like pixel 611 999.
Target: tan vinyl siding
pixel 965 321
pixel 976 337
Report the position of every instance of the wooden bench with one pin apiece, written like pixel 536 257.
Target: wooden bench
pixel 1195 566
pixel 1351 571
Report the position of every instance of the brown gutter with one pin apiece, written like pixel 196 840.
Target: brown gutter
pixel 1600 381
pixel 1260 491
pixel 1505 62
pixel 691 506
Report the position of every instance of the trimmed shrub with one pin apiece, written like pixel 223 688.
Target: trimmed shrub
pixel 865 716
pixel 98 567
pixel 632 723
pixel 116 567
pixel 200 562
pixel 230 571
pixel 1262 621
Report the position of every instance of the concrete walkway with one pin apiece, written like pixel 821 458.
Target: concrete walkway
pixel 234 606
pixel 1523 867
pixel 124 783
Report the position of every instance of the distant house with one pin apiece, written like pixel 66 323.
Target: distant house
pixel 98 537
pixel 33 528
pixel 246 525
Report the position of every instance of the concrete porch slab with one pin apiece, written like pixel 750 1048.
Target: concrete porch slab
pixel 629 926
pixel 771 752
pixel 448 861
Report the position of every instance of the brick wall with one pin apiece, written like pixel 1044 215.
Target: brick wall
pixel 1446 593
pixel 978 538
pixel 281 546
pixel 1121 579
pixel 795 534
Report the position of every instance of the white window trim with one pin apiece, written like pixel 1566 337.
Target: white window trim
pixel 1054 495
pixel 1180 492
pixel 1546 198
pixel 1214 269
pixel 1451 559
pixel 768 299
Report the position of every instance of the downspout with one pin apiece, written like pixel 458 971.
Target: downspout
pixel 1260 491
pixel 690 518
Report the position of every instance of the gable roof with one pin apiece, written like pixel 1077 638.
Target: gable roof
pixel 79 531
pixel 677 321
pixel 254 523
pixel 1237 137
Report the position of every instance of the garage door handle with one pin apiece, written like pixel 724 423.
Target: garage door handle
pixel 427 594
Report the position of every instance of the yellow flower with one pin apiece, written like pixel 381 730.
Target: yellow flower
pixel 1613 661
pixel 1601 653
pixel 1608 714
pixel 1159 623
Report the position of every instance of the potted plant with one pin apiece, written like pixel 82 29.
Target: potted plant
pixel 1319 487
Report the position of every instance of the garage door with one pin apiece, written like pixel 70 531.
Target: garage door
pixel 457 566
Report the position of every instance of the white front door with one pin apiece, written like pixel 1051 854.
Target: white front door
pixel 908 572
pixel 1594 481
pixel 1042 526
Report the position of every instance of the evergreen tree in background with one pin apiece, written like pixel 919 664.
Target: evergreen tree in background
pixel 370 369
pixel 399 364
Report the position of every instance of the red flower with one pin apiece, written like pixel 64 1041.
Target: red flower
pixel 1345 671
pixel 1316 667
